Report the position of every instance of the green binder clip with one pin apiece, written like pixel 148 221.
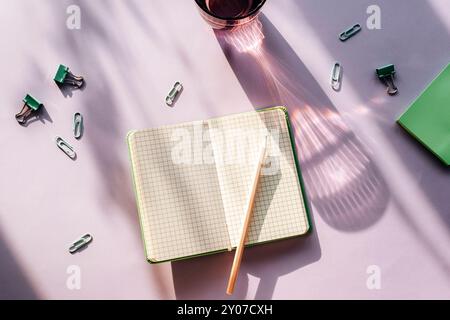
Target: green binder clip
pixel 65 77
pixel 386 74
pixel 31 107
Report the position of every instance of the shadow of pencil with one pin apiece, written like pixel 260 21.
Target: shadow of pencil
pixel 264 206
pixel 207 277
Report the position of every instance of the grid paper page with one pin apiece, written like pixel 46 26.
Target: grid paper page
pixel 279 210
pixel 180 206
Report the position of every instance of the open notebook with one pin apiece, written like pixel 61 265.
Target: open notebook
pixel 192 181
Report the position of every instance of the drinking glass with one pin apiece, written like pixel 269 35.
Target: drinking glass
pixel 228 14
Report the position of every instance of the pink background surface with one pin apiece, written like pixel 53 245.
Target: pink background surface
pixel 377 197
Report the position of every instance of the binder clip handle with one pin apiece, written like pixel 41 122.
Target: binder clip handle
pixel 30 108
pixel 391 87
pixel 386 74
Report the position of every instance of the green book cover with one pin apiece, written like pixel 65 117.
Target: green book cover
pixel 428 118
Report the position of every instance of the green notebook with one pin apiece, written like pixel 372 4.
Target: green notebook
pixel 428 118
pixel 192 182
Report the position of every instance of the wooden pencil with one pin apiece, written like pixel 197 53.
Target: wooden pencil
pixel 248 215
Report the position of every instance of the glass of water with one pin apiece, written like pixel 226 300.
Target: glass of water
pixel 227 14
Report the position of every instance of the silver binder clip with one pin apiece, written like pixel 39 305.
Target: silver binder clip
pixel 173 94
pixel 80 244
pixel 77 125
pixel 65 147
pixel 336 76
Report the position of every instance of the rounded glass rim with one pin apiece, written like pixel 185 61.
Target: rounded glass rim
pixel 256 9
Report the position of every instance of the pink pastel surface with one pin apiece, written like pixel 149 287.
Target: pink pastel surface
pixel 377 197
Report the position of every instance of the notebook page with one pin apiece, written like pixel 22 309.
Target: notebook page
pixel 279 209
pixel 178 195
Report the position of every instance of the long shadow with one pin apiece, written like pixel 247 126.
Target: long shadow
pixel 104 133
pixel 81 49
pixel 13 282
pixel 424 53
pixel 343 183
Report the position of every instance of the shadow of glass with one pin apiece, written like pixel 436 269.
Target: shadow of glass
pixel 351 199
pixel 423 55
pixel 423 52
pixel 342 181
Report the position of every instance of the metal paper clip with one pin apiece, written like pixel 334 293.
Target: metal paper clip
pixel 173 94
pixel 81 243
pixel 65 147
pixel 64 76
pixel 30 107
pixel 77 125
pixel 336 76
pixel 386 74
pixel 350 32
